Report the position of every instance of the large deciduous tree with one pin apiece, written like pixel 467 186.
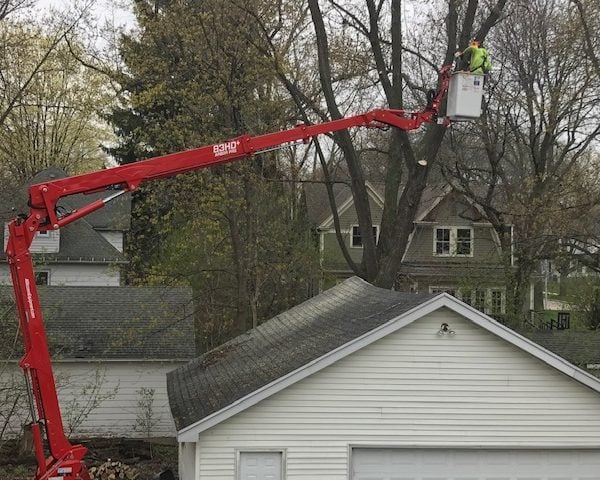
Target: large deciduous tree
pixel 528 164
pixel 56 120
pixel 396 71
pixel 17 32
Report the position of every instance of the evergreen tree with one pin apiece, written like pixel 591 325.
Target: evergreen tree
pixel 194 78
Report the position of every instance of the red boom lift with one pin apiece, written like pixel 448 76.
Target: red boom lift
pixel 64 461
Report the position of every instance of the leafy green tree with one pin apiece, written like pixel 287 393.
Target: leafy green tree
pixel 56 121
pixel 230 232
pixel 16 32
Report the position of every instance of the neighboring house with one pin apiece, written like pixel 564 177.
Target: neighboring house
pixel 364 383
pixel 451 248
pixel 86 252
pixel 112 348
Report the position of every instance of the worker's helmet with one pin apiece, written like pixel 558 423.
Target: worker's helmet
pixel 475 43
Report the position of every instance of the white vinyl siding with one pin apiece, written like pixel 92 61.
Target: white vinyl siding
pixel 44 242
pixel 119 384
pixel 85 275
pixel 411 388
pixel 76 274
pixel 114 237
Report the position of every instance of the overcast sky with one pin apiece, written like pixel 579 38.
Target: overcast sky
pixel 115 11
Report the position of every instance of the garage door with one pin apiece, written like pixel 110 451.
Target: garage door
pixel 434 464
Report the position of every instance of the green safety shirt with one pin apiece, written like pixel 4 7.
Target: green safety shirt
pixel 479 60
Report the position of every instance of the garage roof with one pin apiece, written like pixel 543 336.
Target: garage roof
pixel 280 346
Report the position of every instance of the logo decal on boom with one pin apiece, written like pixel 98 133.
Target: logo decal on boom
pixel 226 148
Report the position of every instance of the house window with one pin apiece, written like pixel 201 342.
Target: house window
pixel 497 302
pixel 479 300
pixel 43 233
pixel 453 241
pixel 463 241
pixel 256 465
pixel 357 241
pixel 487 300
pixel 448 290
pixel 442 241
pixel 42 277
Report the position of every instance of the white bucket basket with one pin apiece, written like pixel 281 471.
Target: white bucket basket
pixel 464 96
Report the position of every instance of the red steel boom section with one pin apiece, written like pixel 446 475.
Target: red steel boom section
pixel 65 461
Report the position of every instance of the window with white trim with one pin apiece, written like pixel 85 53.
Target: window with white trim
pixel 453 241
pixel 42 277
pixel 260 465
pixel 356 241
pixel 487 300
pixel 496 301
pixel 479 301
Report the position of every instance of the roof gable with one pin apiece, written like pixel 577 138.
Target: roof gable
pixel 450 205
pixel 319 210
pixel 345 200
pixel 317 201
pixel 289 342
pixel 250 362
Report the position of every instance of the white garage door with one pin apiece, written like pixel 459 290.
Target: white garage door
pixel 260 466
pixel 434 464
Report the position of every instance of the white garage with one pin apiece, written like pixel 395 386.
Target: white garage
pixel 361 383
pixel 463 464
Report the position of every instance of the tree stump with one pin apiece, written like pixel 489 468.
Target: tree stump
pixel 26 441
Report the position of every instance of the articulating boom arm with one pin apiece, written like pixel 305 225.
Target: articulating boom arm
pixel 65 461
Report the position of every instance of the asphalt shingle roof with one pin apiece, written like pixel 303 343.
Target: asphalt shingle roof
pixel 317 200
pixel 319 209
pixel 581 348
pixel 115 322
pixel 280 346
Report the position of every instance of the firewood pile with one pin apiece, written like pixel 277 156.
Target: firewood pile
pixel 111 470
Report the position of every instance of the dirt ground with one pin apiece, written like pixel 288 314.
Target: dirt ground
pixel 148 457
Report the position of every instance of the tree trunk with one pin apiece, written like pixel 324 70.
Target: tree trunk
pixel 381 264
pixel 240 320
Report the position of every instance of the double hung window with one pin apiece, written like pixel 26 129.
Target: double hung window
pixel 453 241
pixel 357 239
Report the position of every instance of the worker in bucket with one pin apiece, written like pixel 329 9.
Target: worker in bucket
pixel 474 59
